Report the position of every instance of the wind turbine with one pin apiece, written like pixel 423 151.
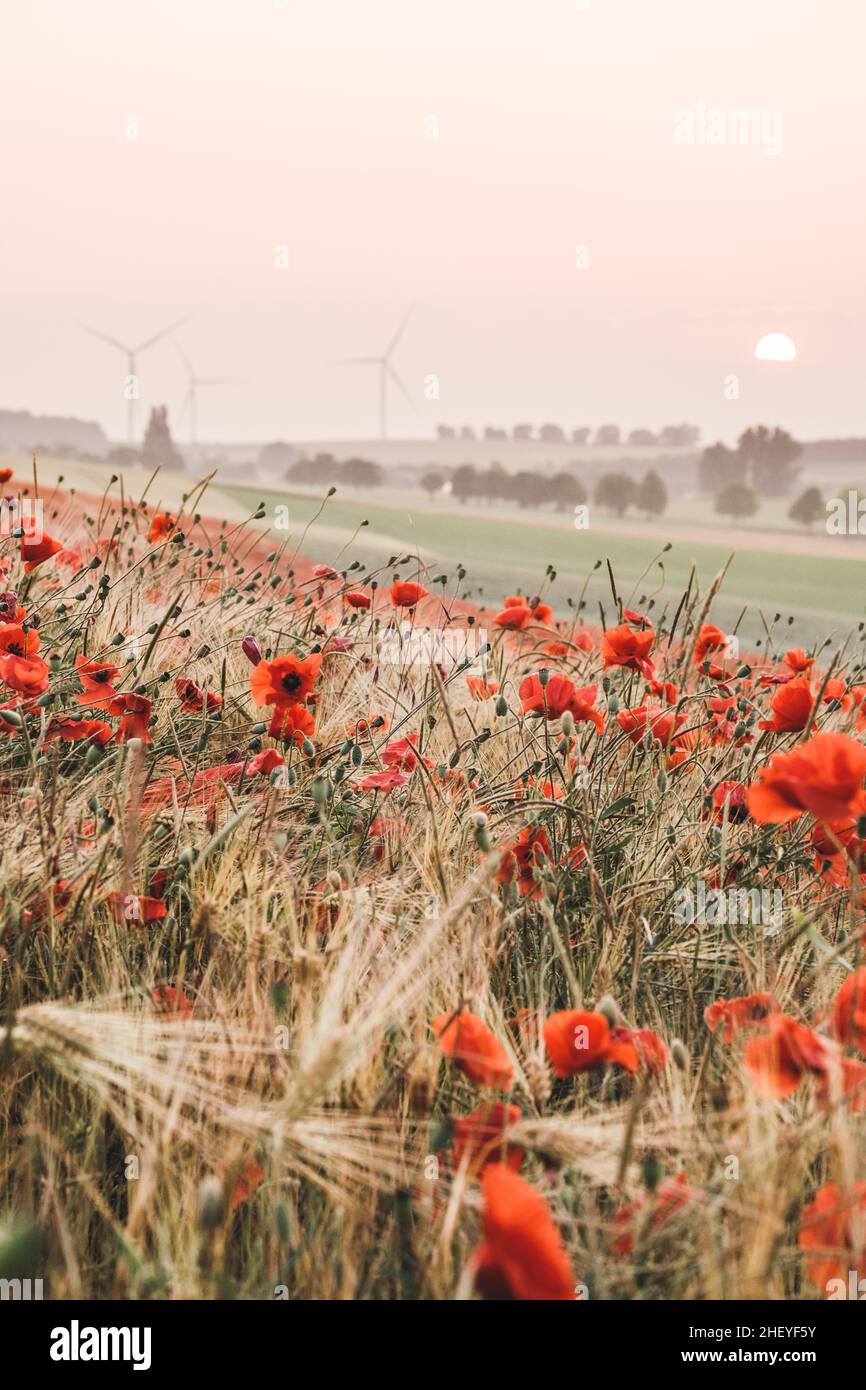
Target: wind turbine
pixel 191 397
pixel 385 371
pixel 131 354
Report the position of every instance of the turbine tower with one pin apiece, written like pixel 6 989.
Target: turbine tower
pixel 190 400
pixel 385 371
pixel 131 354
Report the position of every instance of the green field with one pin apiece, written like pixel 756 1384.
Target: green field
pixel 821 593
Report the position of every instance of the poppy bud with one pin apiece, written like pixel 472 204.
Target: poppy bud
pixel 543 677
pixel 567 722
pixel 9 716
pixel 251 650
pixel 501 706
pixel 652 1172
pixel 680 1054
pixel 319 790
pixel 211 1204
pixel 612 704
pixel 608 1006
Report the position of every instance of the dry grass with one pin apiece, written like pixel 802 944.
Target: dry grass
pixel 316 955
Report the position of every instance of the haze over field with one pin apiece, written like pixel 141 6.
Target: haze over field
pixel 514 170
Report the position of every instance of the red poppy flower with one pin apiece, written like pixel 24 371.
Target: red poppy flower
pixel 479 1138
pixel 710 639
pixel 736 1013
pixel 28 677
pixel 791 706
pixel 5 475
pixel 14 641
pixel 135 717
pixel 513 618
pixel 248 1179
pixel 169 1000
pixel 849 1011
pixel 559 695
pixel 405 593
pixel 386 781
pixel 661 724
pixel 469 1043
pixel 522 1256
pixel 833 1230
pixel 529 852
pixel 728 798
pixel 35 552
pixel 652 1052
pixel 97 679
pixel 822 776
pixel 356 598
pixel 193 698
pixel 401 753
pixel 480 689
pixel 778 1061
pixel 578 1040
pixel 136 908
pixel 286 680
pixel 293 723
pixel 797 659
pixel 72 730
pixel 620 646
pixel 162 525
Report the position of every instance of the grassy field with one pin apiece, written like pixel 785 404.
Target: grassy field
pixel 822 594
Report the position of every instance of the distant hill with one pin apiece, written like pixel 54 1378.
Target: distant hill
pixel 20 432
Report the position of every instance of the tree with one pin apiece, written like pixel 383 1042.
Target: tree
pixel 529 489
pixel 324 468
pixel 581 435
pixel 641 437
pixel 769 457
pixel 494 434
pixel 551 434
pixel 615 492
pixel 736 500
pixel 446 432
pixel 522 433
pixel 467 432
pixel 719 466
pixel 464 482
pixel 809 507
pixel 652 495
pixel 680 435
pixel 276 455
pixel 361 473
pixel 433 481
pixel 607 434
pixel 158 448
pixel 566 492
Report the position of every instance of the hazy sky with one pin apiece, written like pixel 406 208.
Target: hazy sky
pixel 306 123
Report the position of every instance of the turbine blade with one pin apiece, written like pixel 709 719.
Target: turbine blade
pixel 104 336
pixel 156 337
pixel 400 386
pixel 399 334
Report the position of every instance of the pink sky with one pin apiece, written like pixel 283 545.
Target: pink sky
pixel 302 122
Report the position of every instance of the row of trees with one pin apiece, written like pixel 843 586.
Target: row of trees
pixel 325 468
pixel 739 501
pixel 672 436
pixel 615 492
pixel 763 461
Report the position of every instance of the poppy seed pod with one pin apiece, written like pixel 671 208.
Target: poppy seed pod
pixel 567 722
pixel 211 1204
pixel 680 1054
pixel 608 1006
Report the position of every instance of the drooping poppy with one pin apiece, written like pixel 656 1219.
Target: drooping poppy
pixel 621 646
pixel 134 711
pixel 522 1256
pixel 193 699
pixel 35 551
pixel 833 1233
pixel 73 730
pixel 791 707
pixel 292 723
pixel 469 1043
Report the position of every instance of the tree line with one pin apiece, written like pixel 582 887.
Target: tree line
pixel 671 436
